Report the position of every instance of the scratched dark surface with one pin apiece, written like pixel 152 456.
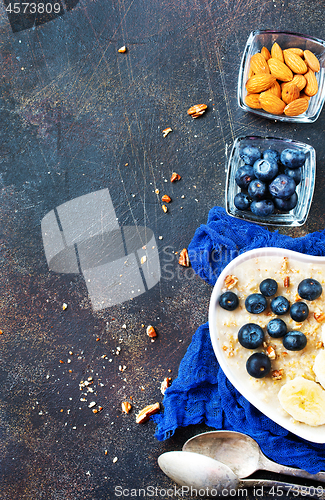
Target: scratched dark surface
pixel 76 117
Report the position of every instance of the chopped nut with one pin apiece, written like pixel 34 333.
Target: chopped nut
pixel 64 306
pixel 126 407
pixel 157 191
pixel 197 110
pixel 93 403
pixel 166 131
pixel 277 374
pixel 319 344
pixel 166 199
pixel 151 332
pixel 143 259
pixel 270 351
pixel 285 264
pixel 115 459
pixel 164 384
pixel 175 177
pixel 122 50
pixel 286 281
pixel 184 258
pixel 146 413
pixel 230 281
pixel 319 317
pixel 165 209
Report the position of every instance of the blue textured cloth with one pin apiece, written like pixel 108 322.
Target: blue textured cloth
pixel 201 393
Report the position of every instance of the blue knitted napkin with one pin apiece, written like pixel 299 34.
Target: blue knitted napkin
pixel 201 393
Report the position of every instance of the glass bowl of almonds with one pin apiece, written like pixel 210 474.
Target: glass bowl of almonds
pixel 282 76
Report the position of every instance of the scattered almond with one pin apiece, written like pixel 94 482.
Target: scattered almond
pixel 184 258
pixel 151 332
pixel 146 413
pixel 122 50
pixel 126 407
pixel 197 110
pixel 166 131
pixel 175 177
pixel 165 209
pixel 166 199
pixel 165 384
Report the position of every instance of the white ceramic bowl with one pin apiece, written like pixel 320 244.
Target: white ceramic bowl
pixel 239 377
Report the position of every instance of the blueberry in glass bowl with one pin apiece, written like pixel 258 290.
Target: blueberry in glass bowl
pixel 293 212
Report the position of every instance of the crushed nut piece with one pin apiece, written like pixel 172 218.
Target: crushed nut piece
pixel 146 413
pixel 143 259
pixel 64 306
pixel 197 110
pixel 151 332
pixel 319 344
pixel 164 384
pixel 165 209
pixel 166 199
pixel 319 317
pixel 277 374
pixel 286 281
pixel 157 191
pixel 184 258
pixel 175 177
pixel 126 407
pixel 166 131
pixel 122 50
pixel 270 351
pixel 230 281
pixel 285 264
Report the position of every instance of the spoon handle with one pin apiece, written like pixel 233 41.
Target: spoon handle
pixel 290 471
pixel 263 487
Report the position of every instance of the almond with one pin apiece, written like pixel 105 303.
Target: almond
pixel 280 70
pixel 253 101
pixel 250 72
pixel 259 83
pixel 305 96
pixel 300 81
pixel 271 103
pixel 312 85
pixel 312 61
pixel 290 92
pixel 259 64
pixel 265 53
pixel 296 107
pixel 276 89
pixel 295 62
pixel 297 51
pixel 276 52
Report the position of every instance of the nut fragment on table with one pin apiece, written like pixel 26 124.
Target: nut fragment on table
pixel 175 177
pixel 122 50
pixel 197 110
pixel 151 332
pixel 146 413
pixel 166 199
pixel 126 407
pixel 165 209
pixel 165 384
pixel 166 131
pixel 184 258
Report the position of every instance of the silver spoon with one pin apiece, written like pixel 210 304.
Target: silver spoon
pixel 241 453
pixel 212 478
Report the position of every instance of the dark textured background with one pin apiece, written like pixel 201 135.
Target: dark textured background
pixel 73 113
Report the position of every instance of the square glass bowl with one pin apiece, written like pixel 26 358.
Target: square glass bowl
pixel 286 40
pixel 305 189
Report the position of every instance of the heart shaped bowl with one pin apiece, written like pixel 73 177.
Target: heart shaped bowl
pixel 243 276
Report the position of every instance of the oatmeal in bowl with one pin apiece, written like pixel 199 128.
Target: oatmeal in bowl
pixel 267 327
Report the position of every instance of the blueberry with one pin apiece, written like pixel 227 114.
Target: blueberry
pixel 294 341
pixel 309 289
pixel 282 186
pixel 262 208
pixel 257 189
pixel 268 287
pixel 271 155
pixel 255 303
pixel 294 173
pixel 244 175
pixel 292 158
pixel 265 170
pixel 280 305
pixel 276 328
pixel 242 201
pixel 258 365
pixel 299 311
pixel 250 154
pixel 287 204
pixel 250 336
pixel 229 301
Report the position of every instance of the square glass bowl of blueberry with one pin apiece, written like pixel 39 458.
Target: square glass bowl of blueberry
pixel 282 76
pixel 270 180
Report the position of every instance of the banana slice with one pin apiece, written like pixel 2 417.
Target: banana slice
pixel 304 400
pixel 319 367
